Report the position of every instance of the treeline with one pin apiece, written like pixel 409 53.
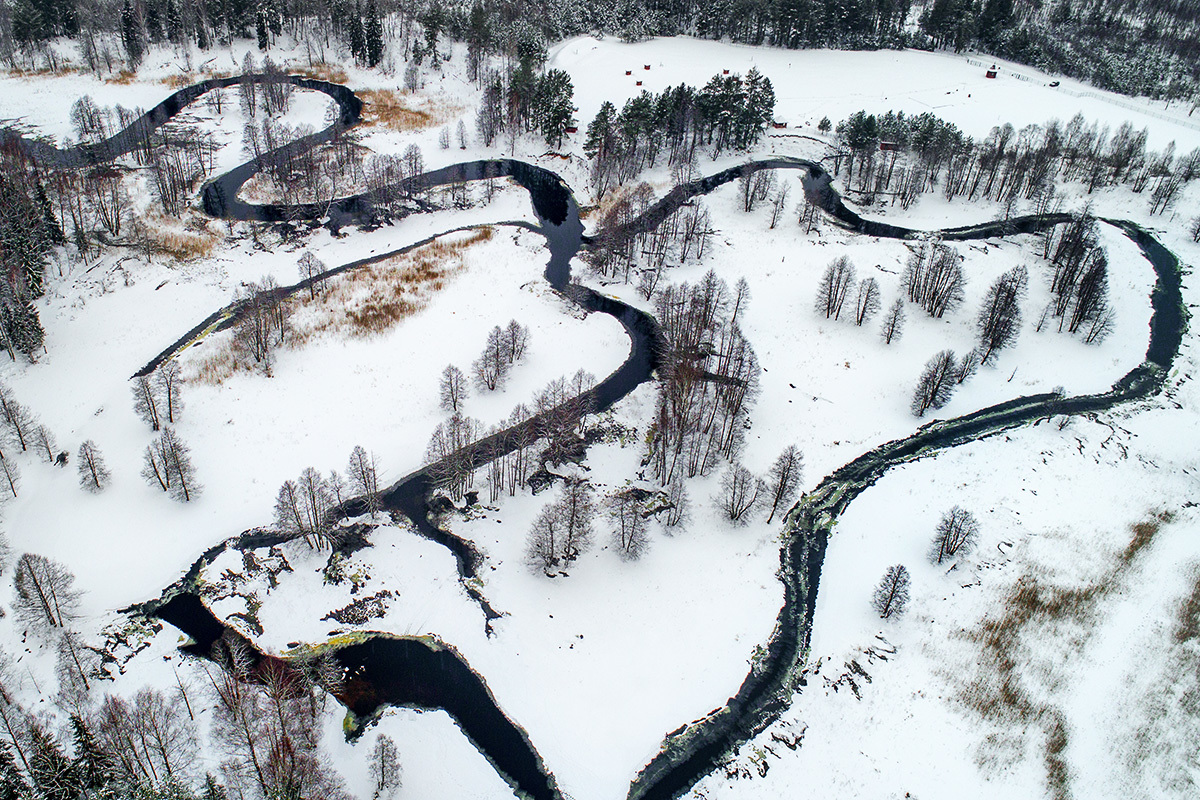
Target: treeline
pixel 1149 48
pixel 728 113
pixel 266 723
pixel 925 154
pixel 1146 48
pixel 28 232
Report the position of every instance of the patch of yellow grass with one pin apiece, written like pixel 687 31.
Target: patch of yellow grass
pixel 122 78
pixel 323 72
pixel 374 299
pixel 364 302
pixel 183 244
pixel 384 107
pixel 180 81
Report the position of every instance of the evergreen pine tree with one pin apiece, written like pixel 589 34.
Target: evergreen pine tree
pixel 12 782
pixel 373 35
pixel 95 768
pixel 131 35
pixel 52 772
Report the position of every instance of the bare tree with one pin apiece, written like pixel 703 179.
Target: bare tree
pixel 891 596
pixel 968 365
pixel 678 504
pixel 11 476
pixel 563 530
pixel 867 301
pixel 363 471
pixel 543 546
pixel 45 599
pixel 145 402
pixel 385 763
pixel 779 204
pixel 462 135
pixel 453 388
pixel 934 278
pixel 834 287
pixel 578 511
pixel 516 340
pixel 1000 316
pixel 444 138
pixel 493 364
pixel 956 533
pixel 784 479
pixel 302 507
pixel 740 493
pixel 626 513
pixel 1194 229
pixel 310 268
pixel 755 186
pixel 936 383
pixel 152 738
pixel 263 322
pixel 93 474
pixel 44 444
pixel 893 322
pixel 169 382
pixel 167 464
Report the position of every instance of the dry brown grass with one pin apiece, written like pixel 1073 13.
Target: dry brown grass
pixel 166 237
pixel 122 78
pixel 373 299
pixel 181 80
pixel 384 107
pixel 41 72
pixel 323 72
pixel 999 688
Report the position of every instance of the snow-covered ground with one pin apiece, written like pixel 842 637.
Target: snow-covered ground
pixel 597 667
pixel 811 84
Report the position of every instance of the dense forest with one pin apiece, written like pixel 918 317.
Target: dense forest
pixel 1149 47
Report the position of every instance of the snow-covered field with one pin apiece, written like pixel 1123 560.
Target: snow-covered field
pixel 597 667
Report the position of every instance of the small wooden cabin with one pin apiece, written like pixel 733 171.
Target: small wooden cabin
pixel 889 147
pixel 777 125
pixel 991 73
pixel 646 67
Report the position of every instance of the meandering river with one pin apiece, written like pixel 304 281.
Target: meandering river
pixel 386 670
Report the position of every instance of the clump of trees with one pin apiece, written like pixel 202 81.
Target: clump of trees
pixel 305 507
pixel 158 398
pixel 505 346
pixel 167 464
pixel 730 112
pixel 262 322
pixel 891 595
pixel 999 319
pixel 562 532
pixel 836 283
pixel 957 533
pixel 45 599
pixel 937 383
pixel 927 154
pixel 626 512
pixel 740 493
pixel 933 278
pixel 1079 287
pixel 28 231
pixel 449 465
pixel 709 378
pixel 624 250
